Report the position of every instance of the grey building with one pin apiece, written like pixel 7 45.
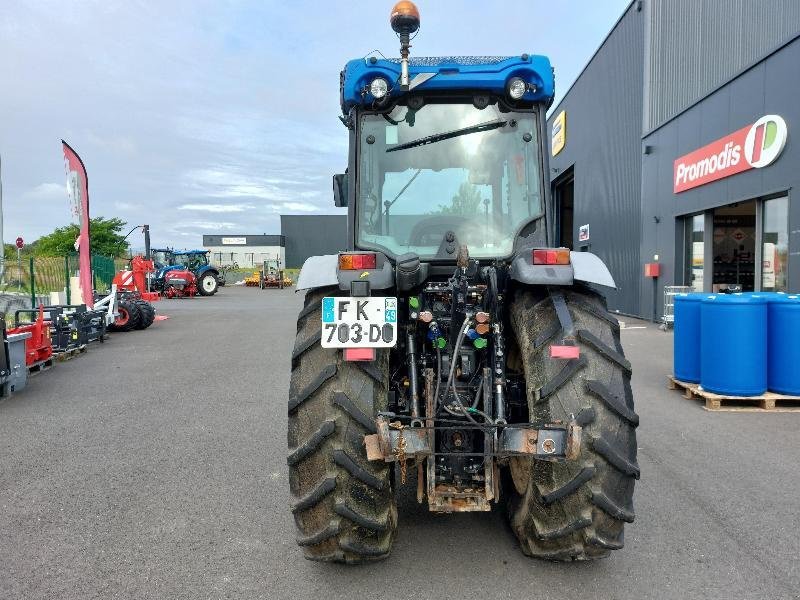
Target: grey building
pixel 245 250
pixel 312 235
pixel 675 147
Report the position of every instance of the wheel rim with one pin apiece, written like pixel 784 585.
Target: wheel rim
pixel 209 284
pixel 123 317
pixel 520 473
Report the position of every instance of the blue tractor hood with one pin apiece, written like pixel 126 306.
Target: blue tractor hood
pixel 472 74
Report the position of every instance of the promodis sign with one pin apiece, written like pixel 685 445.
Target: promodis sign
pixel 754 146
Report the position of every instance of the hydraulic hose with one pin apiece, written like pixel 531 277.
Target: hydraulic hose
pixel 450 380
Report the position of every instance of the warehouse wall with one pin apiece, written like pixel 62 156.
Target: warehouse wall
pixel 603 142
pixel 770 87
pixel 312 235
pixel 697 45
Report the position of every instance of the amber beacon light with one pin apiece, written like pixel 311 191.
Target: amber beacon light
pixel 404 20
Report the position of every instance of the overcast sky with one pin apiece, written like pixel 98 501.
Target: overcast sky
pixel 205 117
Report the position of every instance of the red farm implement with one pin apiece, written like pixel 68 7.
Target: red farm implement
pixel 39 346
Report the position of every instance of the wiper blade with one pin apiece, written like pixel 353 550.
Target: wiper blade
pixel 446 135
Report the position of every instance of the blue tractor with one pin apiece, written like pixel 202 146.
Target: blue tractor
pixel 196 261
pixel 456 345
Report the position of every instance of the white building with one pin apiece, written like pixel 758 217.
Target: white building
pixel 244 250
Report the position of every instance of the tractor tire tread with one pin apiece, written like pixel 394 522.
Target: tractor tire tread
pixel 572 486
pixel 343 504
pixel 612 401
pixel 615 458
pixel 542 533
pixel 561 378
pixel 575 510
pixel 341 400
pixel 315 496
pixel 344 460
pixel 302 346
pixel 343 510
pixel 147 314
pixel 296 400
pixel 320 536
pixel 313 443
pixel 604 349
pixel 614 509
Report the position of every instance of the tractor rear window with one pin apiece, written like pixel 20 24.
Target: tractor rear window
pixel 447 167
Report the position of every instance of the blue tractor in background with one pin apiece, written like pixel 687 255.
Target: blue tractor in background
pixel 208 276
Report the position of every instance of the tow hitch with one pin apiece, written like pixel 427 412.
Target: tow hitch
pixel 551 442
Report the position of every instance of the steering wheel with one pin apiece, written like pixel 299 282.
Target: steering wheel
pixel 430 231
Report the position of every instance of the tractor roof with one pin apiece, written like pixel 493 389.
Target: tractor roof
pixel 191 251
pixel 458 73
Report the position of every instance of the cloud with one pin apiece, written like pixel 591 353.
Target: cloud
pixel 200 109
pixel 119 144
pixel 295 207
pixel 204 225
pixel 217 208
pixel 47 191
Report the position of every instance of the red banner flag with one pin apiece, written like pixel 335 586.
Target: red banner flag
pixel 78 188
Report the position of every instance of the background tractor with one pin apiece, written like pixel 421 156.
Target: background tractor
pixel 455 346
pixel 207 276
pixel 273 276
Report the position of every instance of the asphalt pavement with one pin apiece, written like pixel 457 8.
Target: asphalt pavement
pixel 153 466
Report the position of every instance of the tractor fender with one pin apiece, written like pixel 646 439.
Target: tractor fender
pixel 207 269
pixel 322 271
pixel 590 268
pixel 584 266
pixel 318 271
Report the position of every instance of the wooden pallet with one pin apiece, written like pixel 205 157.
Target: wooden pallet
pixel 40 366
pixel 71 353
pixel 767 402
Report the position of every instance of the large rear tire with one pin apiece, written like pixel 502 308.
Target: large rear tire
pixel 343 504
pixel 207 284
pixel 575 510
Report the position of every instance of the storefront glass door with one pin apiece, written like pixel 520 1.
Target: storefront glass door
pixel 734 248
pixel 775 245
pixel 695 249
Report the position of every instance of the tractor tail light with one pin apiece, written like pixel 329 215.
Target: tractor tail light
pixel 551 256
pixel 355 262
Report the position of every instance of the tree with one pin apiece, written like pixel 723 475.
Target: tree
pixel 106 239
pixel 466 202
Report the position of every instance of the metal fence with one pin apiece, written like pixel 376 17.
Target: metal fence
pixel 30 281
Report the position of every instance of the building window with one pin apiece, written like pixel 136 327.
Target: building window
pixel 695 249
pixel 775 245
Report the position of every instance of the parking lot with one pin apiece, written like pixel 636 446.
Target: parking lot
pixel 154 466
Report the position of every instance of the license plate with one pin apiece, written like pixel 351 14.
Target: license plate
pixel 359 322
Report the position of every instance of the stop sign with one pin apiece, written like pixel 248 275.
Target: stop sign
pixel 20 243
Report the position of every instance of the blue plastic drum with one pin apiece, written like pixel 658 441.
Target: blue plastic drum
pixel 686 342
pixel 733 344
pixel 783 370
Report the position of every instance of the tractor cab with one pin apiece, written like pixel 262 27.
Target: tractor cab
pixel 192 259
pixel 161 257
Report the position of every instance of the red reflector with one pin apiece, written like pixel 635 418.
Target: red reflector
pixel 356 262
pixel 551 256
pixel 354 354
pixel 565 352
